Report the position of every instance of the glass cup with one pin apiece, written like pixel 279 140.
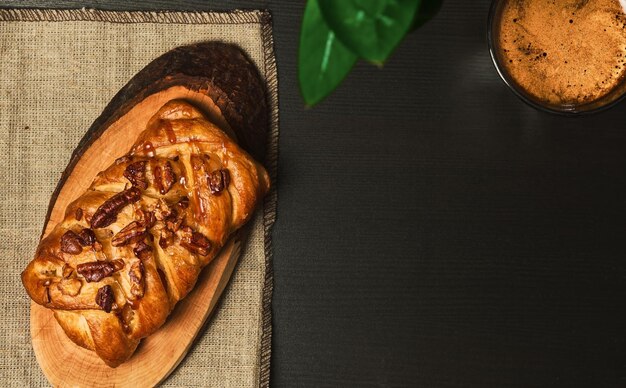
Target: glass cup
pixel 615 95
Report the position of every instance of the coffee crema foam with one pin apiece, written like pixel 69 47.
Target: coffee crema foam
pixel 564 52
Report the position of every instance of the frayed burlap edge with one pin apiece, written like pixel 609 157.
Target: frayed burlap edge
pixel 96 15
pixel 271 79
pixel 271 200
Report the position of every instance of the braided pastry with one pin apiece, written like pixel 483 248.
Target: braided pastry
pixel 135 242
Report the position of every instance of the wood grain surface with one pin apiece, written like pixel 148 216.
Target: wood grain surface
pixel 434 231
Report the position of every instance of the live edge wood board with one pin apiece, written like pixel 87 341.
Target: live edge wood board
pixel 221 81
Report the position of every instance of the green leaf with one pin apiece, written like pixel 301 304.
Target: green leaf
pixel 370 28
pixel 426 11
pixel 323 62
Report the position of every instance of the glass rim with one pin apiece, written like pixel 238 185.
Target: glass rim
pixel 569 111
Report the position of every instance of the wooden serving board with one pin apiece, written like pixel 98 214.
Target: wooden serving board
pixel 66 364
pixel 222 82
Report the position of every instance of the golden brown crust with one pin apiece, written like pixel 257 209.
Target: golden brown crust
pixel 145 228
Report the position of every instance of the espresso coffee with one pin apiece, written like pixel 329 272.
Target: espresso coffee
pixel 563 52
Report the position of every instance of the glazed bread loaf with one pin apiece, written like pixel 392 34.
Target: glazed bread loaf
pixel 134 243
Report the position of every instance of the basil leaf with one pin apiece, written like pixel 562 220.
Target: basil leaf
pixel 323 61
pixel 370 28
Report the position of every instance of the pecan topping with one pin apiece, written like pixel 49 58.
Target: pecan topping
pixel 131 233
pixel 144 216
pixel 107 212
pixel 142 249
pixel 105 299
pixel 78 214
pixel 95 271
pixel 118 264
pixel 194 241
pixel 162 211
pixel 135 273
pixel 174 221
pixel 70 287
pixel 87 237
pixel 135 231
pixel 136 174
pixel 164 177
pixel 172 217
pixel 71 243
pixel 166 238
pixel 218 181
pixel 148 219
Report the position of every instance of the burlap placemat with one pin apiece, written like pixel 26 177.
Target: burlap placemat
pixel 58 70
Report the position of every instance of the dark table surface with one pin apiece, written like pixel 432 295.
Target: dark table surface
pixel 433 230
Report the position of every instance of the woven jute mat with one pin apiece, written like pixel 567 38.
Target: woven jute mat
pixel 58 70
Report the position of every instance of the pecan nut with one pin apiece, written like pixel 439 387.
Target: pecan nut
pixel 71 243
pixel 87 237
pixel 135 231
pixel 131 233
pixel 118 264
pixel 142 249
pixel 136 174
pixel 218 181
pixel 174 221
pixel 107 212
pixel 135 273
pixel 105 298
pixel 146 218
pixel 165 238
pixel 172 217
pixel 194 242
pixel 164 177
pixel 162 210
pixel 78 214
pixel 95 271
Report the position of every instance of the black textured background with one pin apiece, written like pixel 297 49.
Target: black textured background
pixel 433 231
